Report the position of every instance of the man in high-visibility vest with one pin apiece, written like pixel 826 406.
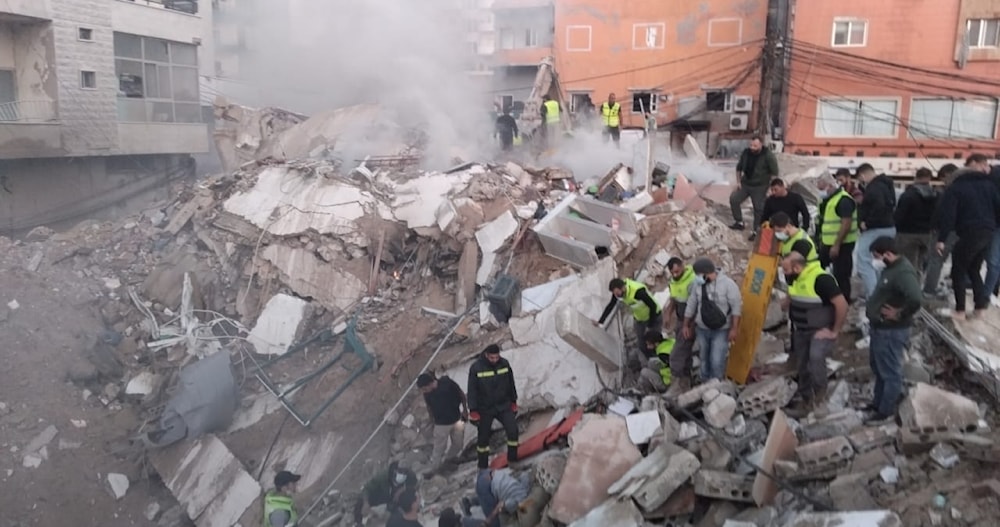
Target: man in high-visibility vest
pixel 788 234
pixel 611 112
pixel 817 309
pixel 550 116
pixel 656 376
pixel 279 511
pixel 837 230
pixel 682 358
pixel 646 313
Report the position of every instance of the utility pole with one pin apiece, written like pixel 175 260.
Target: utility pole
pixel 767 73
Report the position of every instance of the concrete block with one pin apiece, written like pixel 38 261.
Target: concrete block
pixel 468 263
pixel 542 296
pixel 642 426
pixel 779 446
pixel 986 489
pixel 849 492
pixel 598 345
pixel 765 396
pixel 278 325
pixel 714 456
pixel 870 463
pixel 720 411
pixel 118 483
pixel 872 437
pixel 717 514
pixel 694 396
pixel 820 454
pixel 975 447
pixel 681 503
pixel 612 512
pixel 491 237
pixel 651 481
pixel 928 410
pixel 944 455
pixel 724 486
pixel 879 518
pixel 833 425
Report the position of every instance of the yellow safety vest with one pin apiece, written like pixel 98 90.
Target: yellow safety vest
pixel 611 114
pixel 639 308
pixel 806 309
pixel 275 502
pixel 663 350
pixel 787 245
pixel 680 288
pixel 551 112
pixel 830 223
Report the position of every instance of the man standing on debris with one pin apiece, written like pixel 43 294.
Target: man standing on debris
pixel 611 112
pixel 755 169
pixel 550 118
pixel 890 309
pixel 875 219
pixel 682 278
pixel 448 409
pixel 408 513
pixel 784 201
pixel 852 185
pixel 913 215
pixel 506 130
pixel 817 310
pixel 655 377
pixel 837 229
pixel 646 313
pixel 384 488
pixel 492 395
pixel 279 510
pixel 935 261
pixel 713 317
pixel 789 235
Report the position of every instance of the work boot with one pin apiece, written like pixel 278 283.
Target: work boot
pixel 511 454
pixel 737 226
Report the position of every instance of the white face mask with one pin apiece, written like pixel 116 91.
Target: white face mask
pixel 783 236
pixel 823 193
pixel 878 264
pixel 400 478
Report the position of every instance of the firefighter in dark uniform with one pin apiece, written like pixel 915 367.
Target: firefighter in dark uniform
pixel 492 395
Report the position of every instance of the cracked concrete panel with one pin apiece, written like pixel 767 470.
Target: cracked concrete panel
pixel 310 277
pixel 310 458
pixel 418 201
pixel 278 325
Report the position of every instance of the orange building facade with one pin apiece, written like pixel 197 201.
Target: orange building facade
pixel 892 79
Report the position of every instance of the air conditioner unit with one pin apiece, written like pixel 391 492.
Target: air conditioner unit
pixel 739 122
pixel 742 103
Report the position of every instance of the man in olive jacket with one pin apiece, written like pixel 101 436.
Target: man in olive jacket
pixel 754 171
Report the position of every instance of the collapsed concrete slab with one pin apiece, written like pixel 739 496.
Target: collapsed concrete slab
pixel 491 237
pixel 539 297
pixel 208 481
pixel 310 458
pixel 929 410
pixel 418 201
pixel 653 480
pixel 590 340
pixel 780 446
pixel 576 228
pixel 278 325
pixel 600 454
pixel 842 519
pixel 310 277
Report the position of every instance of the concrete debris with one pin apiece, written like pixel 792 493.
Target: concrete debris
pixel 765 396
pixel 144 384
pixel 656 477
pixel 724 486
pixel 118 483
pixel 491 238
pixel 279 325
pixel 534 299
pixel 781 445
pixel 643 426
pixel 41 440
pixel 840 519
pixel 594 342
pixel 152 512
pixel 719 412
pixel 611 513
pixel 929 411
pixel 577 227
pixel 944 455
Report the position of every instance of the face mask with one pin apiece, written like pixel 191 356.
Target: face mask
pixel 790 278
pixel 400 478
pixel 878 264
pixel 783 236
pixel 700 280
pixel 823 194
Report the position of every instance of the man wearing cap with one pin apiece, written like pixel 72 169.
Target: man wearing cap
pixel 713 317
pixel 384 488
pixel 448 409
pixel 646 313
pixel 789 234
pixel 492 396
pixel 681 281
pixel 656 376
pixel 278 508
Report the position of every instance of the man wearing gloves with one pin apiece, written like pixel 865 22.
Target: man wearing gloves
pixel 492 395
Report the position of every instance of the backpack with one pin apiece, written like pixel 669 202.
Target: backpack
pixel 711 315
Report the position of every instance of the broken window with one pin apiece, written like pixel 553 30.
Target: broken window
pixel 643 102
pixel 850 33
pixel 719 101
pixel 580 102
pixel 162 74
pixel 836 117
pixel 953 118
pixel 984 33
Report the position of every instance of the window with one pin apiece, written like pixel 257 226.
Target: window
pixel 648 36
pixel 580 102
pixel 719 101
pixel 850 33
pixel 837 117
pixel 725 32
pixel 643 102
pixel 506 101
pixel 984 33
pixel 530 38
pixel 157 80
pixel 85 34
pixel 953 118
pixel 88 80
pixel 578 38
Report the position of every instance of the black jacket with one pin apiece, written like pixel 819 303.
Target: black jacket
pixel 491 386
pixel 877 205
pixel 970 203
pixel 915 210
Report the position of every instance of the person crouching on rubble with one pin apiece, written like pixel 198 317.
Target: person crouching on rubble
pixel 517 505
pixel 279 510
pixel 646 312
pixel 817 309
pixel 384 488
pixel 655 377
pixel 713 317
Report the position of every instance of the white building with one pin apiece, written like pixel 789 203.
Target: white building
pixel 99 102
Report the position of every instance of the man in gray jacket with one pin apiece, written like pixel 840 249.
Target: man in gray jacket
pixel 509 491
pixel 713 317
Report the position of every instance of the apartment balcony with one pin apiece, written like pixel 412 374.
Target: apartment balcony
pixel 29 129
pixel 25 10
pixel 518 57
pixel 184 6
pixel 175 20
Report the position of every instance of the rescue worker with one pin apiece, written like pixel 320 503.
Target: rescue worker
pixel 837 229
pixel 384 488
pixel 788 234
pixel 279 511
pixel 611 112
pixel 646 313
pixel 506 130
pixel 655 377
pixel 817 309
pixel 682 357
pixel 550 117
pixel 492 395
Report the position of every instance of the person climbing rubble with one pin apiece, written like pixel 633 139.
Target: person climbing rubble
pixel 681 279
pixel 712 316
pixel 655 377
pixel 385 488
pixel 492 396
pixel 448 409
pixel 817 309
pixel 279 509
pixel 646 312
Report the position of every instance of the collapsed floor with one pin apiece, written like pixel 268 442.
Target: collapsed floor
pixel 316 274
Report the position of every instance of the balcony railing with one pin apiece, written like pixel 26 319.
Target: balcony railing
pixel 184 6
pixel 28 112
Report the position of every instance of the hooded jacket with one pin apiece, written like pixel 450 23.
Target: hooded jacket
pixel 915 210
pixel 876 207
pixel 491 386
pixel 970 203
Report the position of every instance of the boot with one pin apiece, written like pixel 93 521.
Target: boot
pixel 677 387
